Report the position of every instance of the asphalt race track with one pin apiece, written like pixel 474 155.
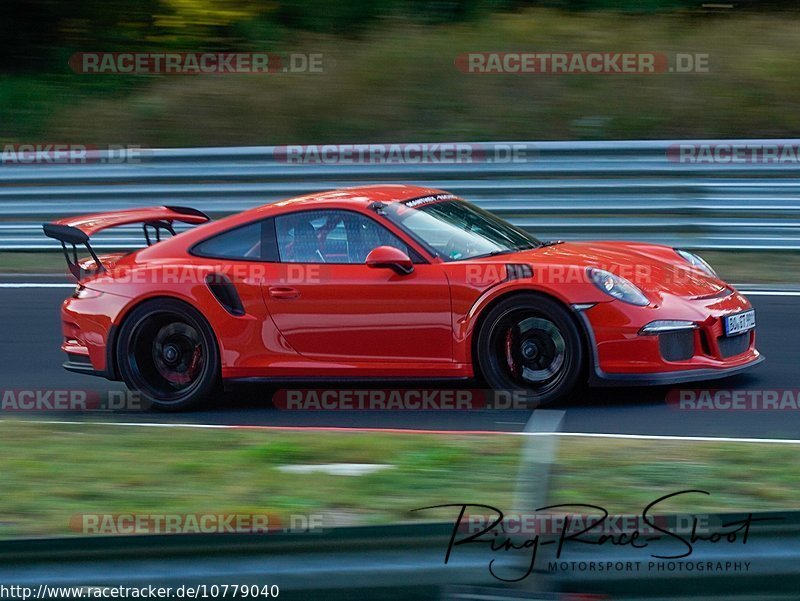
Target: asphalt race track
pixel 30 359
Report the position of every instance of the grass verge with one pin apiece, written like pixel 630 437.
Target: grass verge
pixel 52 473
pixel 33 262
pixel 625 475
pixel 399 83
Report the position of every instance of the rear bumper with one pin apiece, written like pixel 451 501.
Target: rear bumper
pixel 80 364
pixel 88 334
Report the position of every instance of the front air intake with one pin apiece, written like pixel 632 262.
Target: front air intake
pixel 676 346
pixel 734 345
pixel 225 293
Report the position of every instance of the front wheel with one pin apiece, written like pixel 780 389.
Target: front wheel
pixel 167 352
pixel 530 345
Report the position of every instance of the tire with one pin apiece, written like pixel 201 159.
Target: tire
pixel 168 353
pixel 530 345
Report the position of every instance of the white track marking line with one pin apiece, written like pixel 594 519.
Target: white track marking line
pixel 666 437
pixel 770 292
pixel 670 437
pixel 32 285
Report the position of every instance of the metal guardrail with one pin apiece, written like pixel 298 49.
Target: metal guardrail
pixel 384 562
pixel 571 190
pixel 407 562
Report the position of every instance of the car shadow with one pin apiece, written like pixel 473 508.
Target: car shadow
pixel 249 395
pixel 620 396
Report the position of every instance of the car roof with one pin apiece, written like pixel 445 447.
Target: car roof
pixel 358 198
pixel 360 195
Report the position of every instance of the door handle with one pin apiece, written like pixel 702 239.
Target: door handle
pixel 284 292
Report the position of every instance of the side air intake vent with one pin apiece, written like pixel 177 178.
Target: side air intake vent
pixel 516 271
pixel 225 292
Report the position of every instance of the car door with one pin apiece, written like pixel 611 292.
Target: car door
pixel 329 305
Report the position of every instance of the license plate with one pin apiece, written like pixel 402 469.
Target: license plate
pixel 740 322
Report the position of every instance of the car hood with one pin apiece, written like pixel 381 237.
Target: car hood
pixel 653 268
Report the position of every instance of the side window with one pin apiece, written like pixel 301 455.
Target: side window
pixel 330 236
pixel 254 241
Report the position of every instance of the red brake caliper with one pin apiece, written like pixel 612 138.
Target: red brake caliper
pixel 512 364
pixel 194 366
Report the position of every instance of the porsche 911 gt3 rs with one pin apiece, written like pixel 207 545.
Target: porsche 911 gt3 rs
pixel 388 282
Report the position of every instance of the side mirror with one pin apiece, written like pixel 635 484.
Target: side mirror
pixel 390 257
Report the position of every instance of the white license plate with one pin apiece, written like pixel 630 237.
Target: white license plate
pixel 740 322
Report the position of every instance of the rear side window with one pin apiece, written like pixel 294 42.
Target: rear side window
pixel 255 241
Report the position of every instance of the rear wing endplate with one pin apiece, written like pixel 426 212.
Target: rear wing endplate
pixel 76 231
pixel 66 234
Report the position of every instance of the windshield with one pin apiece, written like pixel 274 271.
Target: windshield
pixel 454 229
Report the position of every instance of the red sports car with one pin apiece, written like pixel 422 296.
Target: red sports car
pixel 389 282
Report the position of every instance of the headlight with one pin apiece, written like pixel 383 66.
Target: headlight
pixel 617 286
pixel 696 261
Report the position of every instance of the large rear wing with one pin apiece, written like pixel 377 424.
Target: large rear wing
pixel 76 231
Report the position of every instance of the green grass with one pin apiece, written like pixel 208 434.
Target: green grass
pixel 625 475
pixel 52 473
pixel 399 83
pixel 755 267
pixel 33 262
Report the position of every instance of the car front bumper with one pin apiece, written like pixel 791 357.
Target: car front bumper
pixel 624 355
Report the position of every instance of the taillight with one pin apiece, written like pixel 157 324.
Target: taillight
pixel 84 292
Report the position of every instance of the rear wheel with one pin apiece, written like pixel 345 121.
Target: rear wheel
pixel 167 352
pixel 529 344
